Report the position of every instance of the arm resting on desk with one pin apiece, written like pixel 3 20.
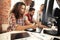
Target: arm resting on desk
pixel 18 28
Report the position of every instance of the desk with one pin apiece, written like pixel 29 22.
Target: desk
pixel 33 35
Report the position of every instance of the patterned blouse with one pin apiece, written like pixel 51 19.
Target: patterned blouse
pixel 13 22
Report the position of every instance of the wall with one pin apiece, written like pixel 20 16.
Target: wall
pixel 4 12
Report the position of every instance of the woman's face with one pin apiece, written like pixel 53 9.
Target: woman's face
pixel 21 9
pixel 42 7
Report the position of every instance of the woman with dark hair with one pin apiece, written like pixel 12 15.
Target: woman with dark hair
pixel 18 19
pixel 40 12
pixel 39 18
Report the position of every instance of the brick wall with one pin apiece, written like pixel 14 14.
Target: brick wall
pixel 4 11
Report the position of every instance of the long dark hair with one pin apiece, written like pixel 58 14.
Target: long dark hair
pixel 15 9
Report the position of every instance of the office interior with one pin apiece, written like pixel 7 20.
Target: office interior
pixel 50 18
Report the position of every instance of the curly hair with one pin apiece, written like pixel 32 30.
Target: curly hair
pixel 15 9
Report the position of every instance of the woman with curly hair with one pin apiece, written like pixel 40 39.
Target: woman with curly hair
pixel 18 19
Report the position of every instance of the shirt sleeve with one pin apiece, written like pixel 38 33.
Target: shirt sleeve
pixel 12 22
pixel 27 22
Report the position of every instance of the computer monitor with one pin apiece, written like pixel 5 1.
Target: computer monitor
pixel 47 13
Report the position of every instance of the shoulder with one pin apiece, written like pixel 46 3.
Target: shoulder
pixel 27 14
pixel 25 17
pixel 12 16
pixel 11 13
